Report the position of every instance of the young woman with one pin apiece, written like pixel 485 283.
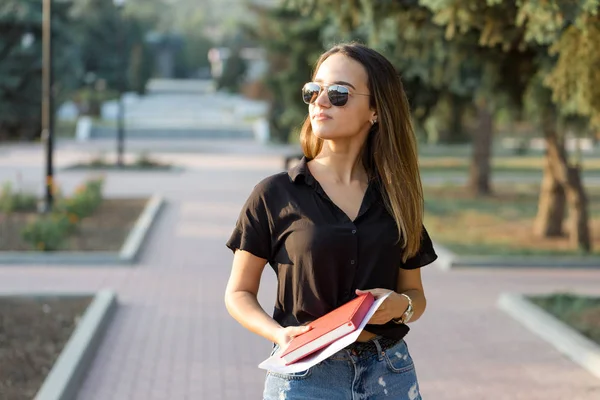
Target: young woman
pixel 347 219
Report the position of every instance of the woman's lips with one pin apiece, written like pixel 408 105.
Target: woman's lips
pixel 321 117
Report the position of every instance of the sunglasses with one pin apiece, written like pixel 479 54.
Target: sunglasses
pixel 337 94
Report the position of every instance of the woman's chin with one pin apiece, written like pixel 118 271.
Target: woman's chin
pixel 331 135
pixel 324 133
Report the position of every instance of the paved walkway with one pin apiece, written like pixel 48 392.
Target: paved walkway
pixel 172 338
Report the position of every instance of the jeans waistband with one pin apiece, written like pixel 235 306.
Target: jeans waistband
pixel 373 346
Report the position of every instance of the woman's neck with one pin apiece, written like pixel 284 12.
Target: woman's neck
pixel 341 166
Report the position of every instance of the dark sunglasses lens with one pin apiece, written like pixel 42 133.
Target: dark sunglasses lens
pixel 310 92
pixel 338 95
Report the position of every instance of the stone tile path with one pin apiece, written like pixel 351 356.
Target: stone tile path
pixel 172 338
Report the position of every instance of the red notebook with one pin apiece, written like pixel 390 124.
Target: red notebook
pixel 329 328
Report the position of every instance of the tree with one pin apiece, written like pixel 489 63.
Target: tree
pixel 21 65
pixel 535 55
pixel 293 45
pixel 434 65
pixel 184 21
pixel 564 35
pixel 233 72
pixel 100 27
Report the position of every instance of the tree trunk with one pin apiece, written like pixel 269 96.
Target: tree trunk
pixel 479 177
pixel 452 130
pixel 578 222
pixel 456 133
pixel 551 206
pixel 569 178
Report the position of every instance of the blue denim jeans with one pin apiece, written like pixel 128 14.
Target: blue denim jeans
pixel 378 373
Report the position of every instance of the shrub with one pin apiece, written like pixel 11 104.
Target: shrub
pixel 11 201
pixel 48 232
pixel 84 201
pixel 145 161
pixel 578 311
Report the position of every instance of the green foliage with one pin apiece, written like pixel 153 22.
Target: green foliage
pixel 561 36
pixel 575 80
pixel 48 232
pixel 193 56
pixel 528 55
pixel 14 202
pixel 293 44
pixel 100 31
pixel 85 37
pixel 21 64
pixel 145 161
pixel 186 20
pixel 233 73
pixel 580 312
pixel 90 100
pixel 85 200
pixel 433 67
pixel 112 45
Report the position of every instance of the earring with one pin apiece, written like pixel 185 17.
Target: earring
pixel 373 122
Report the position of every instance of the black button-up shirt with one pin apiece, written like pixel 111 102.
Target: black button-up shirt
pixel 320 256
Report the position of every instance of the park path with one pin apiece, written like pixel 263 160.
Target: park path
pixel 172 339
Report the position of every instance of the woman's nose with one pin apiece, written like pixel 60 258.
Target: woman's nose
pixel 322 99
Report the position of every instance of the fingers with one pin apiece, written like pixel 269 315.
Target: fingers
pixel 298 330
pixel 380 317
pixel 377 293
pixel 291 332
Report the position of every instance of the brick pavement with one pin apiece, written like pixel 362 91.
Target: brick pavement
pixel 173 339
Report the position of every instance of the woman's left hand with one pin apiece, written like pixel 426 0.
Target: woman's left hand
pixel 392 307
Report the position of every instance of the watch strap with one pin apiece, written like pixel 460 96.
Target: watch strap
pixel 407 313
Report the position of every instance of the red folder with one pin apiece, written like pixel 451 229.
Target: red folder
pixel 328 328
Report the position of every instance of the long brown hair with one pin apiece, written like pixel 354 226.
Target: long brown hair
pixel 390 151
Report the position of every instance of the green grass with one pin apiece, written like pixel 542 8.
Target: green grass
pixel 428 171
pixel 521 165
pixel 464 150
pixel 501 225
pixel 65 129
pixel 582 313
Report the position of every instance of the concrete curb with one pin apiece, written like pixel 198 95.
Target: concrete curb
pixel 76 168
pixel 133 244
pixel 67 373
pixel 448 260
pixel 127 255
pixel 565 339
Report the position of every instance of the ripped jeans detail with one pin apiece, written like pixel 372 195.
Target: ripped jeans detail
pixel 385 372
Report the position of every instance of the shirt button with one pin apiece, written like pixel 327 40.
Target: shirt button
pixel 352 262
pixel 353 231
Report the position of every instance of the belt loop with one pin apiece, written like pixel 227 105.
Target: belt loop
pixel 380 352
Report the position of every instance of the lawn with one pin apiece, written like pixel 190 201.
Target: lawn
pixel 513 164
pixel 582 313
pixel 498 225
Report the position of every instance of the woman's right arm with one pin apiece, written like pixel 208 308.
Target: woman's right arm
pixel 242 303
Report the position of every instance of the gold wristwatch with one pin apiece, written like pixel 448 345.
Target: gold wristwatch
pixel 407 314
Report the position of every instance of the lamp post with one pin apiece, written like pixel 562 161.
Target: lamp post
pixel 122 82
pixel 48 102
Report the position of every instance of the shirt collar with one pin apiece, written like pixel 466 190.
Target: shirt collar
pixel 301 170
pixel 301 173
